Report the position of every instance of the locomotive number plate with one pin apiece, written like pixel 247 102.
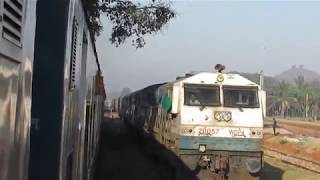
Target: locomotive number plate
pixel 207 131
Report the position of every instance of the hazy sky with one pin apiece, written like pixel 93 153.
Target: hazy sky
pixel 245 36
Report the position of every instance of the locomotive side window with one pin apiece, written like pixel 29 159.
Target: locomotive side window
pixel 246 97
pixel 201 95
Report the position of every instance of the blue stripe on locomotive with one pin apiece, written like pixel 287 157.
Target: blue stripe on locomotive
pixel 220 143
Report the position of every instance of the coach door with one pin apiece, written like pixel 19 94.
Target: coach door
pixel 10 61
pixel 9 72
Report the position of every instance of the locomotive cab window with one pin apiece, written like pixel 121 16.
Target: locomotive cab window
pixel 246 97
pixel 201 95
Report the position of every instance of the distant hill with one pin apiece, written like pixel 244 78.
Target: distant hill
pixel 269 82
pixel 290 76
pixel 293 73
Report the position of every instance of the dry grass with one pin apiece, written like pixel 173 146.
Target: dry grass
pixel 275 169
pixel 299 146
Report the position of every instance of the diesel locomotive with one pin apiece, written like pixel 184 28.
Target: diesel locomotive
pixel 212 121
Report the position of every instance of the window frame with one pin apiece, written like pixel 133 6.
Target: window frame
pixel 204 86
pixel 230 87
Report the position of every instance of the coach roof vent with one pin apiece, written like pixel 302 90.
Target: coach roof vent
pixel 12 20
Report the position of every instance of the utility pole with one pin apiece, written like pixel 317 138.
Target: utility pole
pixel 306 108
pixel 261 79
pixel 263 95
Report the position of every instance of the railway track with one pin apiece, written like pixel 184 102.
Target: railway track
pixel 296 161
pixel 298 127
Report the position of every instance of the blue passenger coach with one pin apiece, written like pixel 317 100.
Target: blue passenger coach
pixel 52 92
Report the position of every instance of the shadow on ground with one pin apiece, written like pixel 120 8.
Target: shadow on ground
pixel 123 155
pixel 270 172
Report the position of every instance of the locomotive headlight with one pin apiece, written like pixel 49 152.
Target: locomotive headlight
pixel 218 116
pixel 202 148
pixel 256 132
pixel 227 116
pixel 222 116
pixel 220 78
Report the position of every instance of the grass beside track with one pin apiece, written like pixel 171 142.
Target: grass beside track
pixel 277 170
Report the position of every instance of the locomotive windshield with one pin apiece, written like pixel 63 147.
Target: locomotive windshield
pixel 201 95
pixel 246 97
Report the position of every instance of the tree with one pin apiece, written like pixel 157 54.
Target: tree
pixel 313 104
pixel 130 19
pixel 301 94
pixel 314 100
pixel 308 98
pixel 300 83
pixel 281 98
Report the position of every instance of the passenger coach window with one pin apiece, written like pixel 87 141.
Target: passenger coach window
pixel 201 95
pixel 246 97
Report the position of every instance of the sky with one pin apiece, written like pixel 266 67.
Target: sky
pixel 244 36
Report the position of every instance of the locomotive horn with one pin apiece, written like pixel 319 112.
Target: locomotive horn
pixel 219 68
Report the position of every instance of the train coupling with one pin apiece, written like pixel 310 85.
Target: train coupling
pixel 204 161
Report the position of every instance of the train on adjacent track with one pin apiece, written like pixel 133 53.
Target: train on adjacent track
pixel 52 91
pixel 209 120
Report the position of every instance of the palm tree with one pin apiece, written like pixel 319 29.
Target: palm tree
pixel 314 104
pixel 302 95
pixel 281 98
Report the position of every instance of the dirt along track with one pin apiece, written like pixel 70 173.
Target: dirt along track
pixel 125 156
pixel 305 128
pixel 296 143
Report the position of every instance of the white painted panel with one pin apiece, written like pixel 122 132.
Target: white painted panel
pixel 215 131
pixel 175 100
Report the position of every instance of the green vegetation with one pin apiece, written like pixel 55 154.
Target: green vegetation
pixel 283 141
pixel 130 19
pixel 300 99
pixel 297 99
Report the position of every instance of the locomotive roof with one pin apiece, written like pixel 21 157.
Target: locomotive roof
pixel 211 78
pixel 208 78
